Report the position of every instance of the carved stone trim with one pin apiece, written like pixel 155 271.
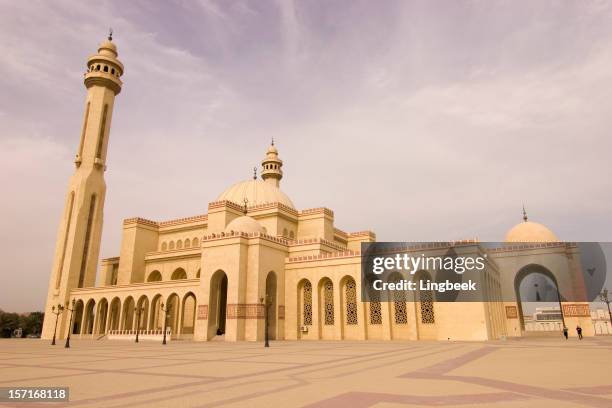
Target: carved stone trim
pixel 511 312
pixel 281 312
pixel 202 312
pixel 576 310
pixel 245 311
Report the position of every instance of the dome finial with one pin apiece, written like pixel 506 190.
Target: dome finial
pixel 524 214
pixel 273 141
pixel 254 173
pixel 110 34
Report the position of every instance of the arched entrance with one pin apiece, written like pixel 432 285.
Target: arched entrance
pixel 217 304
pixel 143 310
pixel 128 314
pixel 271 299
pixel 88 318
pixel 189 313
pixel 77 319
pixel 173 314
pixel 102 316
pixel 536 286
pixel 115 309
pixel 155 316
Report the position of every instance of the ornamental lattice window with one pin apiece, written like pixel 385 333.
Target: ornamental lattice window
pixel 328 297
pixel 375 308
pixel 307 304
pixel 399 306
pixel 427 307
pixel 351 302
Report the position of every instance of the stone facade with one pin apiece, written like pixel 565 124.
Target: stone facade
pixel 217 274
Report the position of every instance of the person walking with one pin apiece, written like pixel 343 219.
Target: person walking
pixel 565 332
pixel 579 331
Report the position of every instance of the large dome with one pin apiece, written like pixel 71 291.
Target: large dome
pixel 245 224
pixel 530 232
pixel 256 192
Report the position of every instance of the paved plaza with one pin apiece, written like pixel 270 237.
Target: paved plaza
pixel 536 372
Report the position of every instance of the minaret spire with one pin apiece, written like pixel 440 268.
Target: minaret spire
pixel 272 166
pixel 110 34
pixel 524 214
pixel 78 240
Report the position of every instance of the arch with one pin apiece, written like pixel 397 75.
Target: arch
pixel 155 314
pixel 106 68
pixel 171 245
pixel 127 319
pixel 398 309
pixel 291 234
pixel 88 318
pixel 164 246
pixel 400 315
pixel 114 313
pixel 178 274
pixel 327 318
pixel 425 308
pixel 304 302
pixel 174 313
pixel 217 304
pixel 113 71
pixel 154 276
pixel 179 244
pixel 285 233
pixel 189 314
pixel 187 243
pixel 198 272
pixel 349 300
pixel 348 308
pixel 546 277
pixel 77 319
pixel 426 299
pixel 102 316
pixel 142 314
pixel 271 300
pixel 196 242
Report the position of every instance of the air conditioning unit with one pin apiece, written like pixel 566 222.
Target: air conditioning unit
pixel 304 329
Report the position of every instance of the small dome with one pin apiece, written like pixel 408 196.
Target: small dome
pixel 107 47
pixel 529 231
pixel 245 224
pixel 272 150
pixel 256 192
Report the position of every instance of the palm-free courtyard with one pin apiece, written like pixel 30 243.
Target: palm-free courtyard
pixel 530 372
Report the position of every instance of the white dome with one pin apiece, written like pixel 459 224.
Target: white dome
pixel 530 232
pixel 244 224
pixel 256 192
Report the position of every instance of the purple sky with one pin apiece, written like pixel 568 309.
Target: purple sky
pixel 418 120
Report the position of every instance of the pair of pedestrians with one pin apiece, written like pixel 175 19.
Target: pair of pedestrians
pixel 578 330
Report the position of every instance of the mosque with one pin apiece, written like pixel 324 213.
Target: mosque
pixel 216 276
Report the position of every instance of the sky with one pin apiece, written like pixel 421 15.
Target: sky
pixel 419 120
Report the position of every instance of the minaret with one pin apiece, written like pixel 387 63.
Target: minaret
pixel 78 239
pixel 272 166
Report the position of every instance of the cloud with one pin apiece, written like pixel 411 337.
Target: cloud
pixel 432 123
